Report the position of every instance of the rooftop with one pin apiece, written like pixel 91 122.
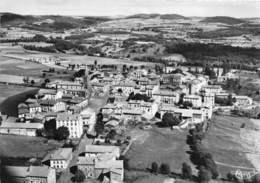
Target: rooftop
pixel 59 154
pixel 100 149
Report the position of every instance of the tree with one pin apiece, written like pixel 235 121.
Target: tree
pixel 47 80
pixel 210 72
pixel 186 171
pixel 204 175
pixel 158 115
pixel 187 104
pixel 99 126
pixel 210 164
pixel 50 124
pixel 62 133
pixel 154 167
pixel 169 120
pixel 32 82
pixel 79 176
pixel 165 169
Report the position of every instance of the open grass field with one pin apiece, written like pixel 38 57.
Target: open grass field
pixel 158 145
pixel 11 95
pixel 19 67
pixel 21 146
pixel 224 142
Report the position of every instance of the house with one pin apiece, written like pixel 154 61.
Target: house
pixel 243 100
pixel 52 105
pixel 209 100
pixel 96 151
pixel 228 76
pixel 214 89
pixel 131 114
pixel 69 87
pixel 115 169
pixel 195 115
pixel 125 87
pixel 29 174
pixel 49 94
pixel 166 96
pixel 27 129
pixel 147 108
pixel 93 154
pixel 196 100
pixel 88 119
pixel 73 122
pixel 59 159
pixel 33 105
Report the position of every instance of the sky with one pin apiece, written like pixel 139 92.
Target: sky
pixel 235 8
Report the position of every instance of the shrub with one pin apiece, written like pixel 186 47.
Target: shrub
pixel 186 171
pixel 165 169
pixel 154 167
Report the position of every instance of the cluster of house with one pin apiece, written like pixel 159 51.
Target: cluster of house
pixel 138 95
pixel 167 94
pixel 63 100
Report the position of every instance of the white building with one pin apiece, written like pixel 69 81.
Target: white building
pixel 196 100
pixel 73 122
pixel 213 89
pixel 59 159
pixel 243 100
pixel 27 129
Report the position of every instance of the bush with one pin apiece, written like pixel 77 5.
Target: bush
pixel 186 171
pixel 79 176
pixel 154 167
pixel 62 133
pixel 170 120
pixel 165 169
pixel 204 175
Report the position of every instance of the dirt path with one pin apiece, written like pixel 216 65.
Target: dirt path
pixel 251 138
pixel 233 166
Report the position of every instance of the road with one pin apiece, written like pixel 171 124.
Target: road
pixel 95 104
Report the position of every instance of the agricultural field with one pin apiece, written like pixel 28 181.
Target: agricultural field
pixel 227 145
pixel 158 145
pixel 21 146
pixel 225 140
pixel 11 95
pixel 18 67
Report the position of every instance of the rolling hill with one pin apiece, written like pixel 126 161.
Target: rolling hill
pixel 224 20
pixel 155 15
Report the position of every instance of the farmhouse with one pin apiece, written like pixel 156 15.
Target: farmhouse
pixel 31 174
pixel 94 157
pixel 59 159
pixel 27 129
pixel 195 115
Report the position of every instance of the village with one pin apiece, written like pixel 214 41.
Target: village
pixel 95 113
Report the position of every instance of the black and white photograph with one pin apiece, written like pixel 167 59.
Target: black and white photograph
pixel 129 91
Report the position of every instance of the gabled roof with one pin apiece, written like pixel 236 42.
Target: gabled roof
pixel 59 154
pixel 100 149
pixel 25 171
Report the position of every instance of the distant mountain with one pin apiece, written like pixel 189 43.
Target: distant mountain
pixel 223 19
pixel 15 18
pixel 155 15
pixel 143 16
pixel 173 16
pixel 49 22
